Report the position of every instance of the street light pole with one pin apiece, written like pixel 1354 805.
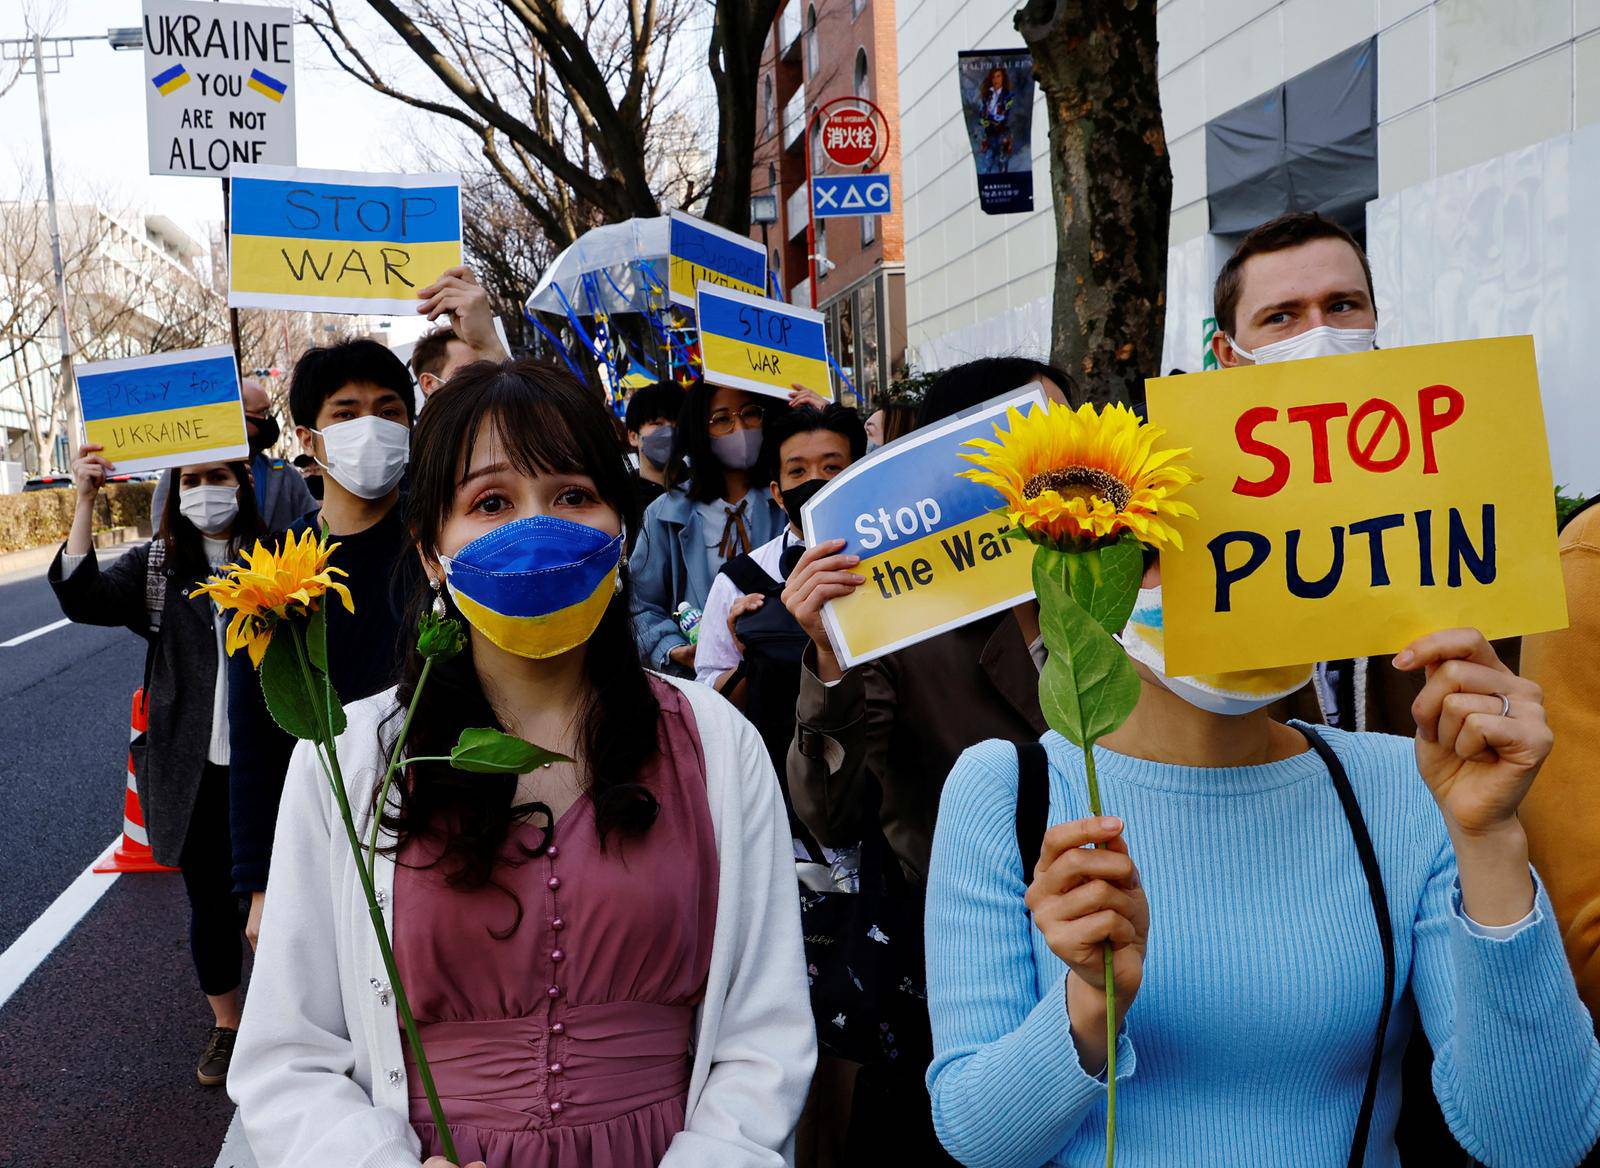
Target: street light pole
pixel 68 394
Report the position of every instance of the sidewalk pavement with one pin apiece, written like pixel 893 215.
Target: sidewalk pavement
pixel 30 560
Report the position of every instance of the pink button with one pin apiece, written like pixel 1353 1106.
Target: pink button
pixel 552 851
pixel 558 924
pixel 554 991
pixel 555 1108
pixel 553 884
pixel 558 954
pixel 556 1068
pixel 559 1028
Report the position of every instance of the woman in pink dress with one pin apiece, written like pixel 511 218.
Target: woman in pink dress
pixel 603 956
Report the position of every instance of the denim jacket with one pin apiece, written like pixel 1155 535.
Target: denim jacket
pixel 668 566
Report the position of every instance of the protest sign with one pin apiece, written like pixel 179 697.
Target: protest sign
pixel 931 544
pixel 167 409
pixel 1351 504
pixel 698 251
pixel 997 106
pixel 339 241
pixel 219 86
pixel 764 346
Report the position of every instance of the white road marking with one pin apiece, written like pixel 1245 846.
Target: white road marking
pixel 39 939
pixel 235 1151
pixel 38 632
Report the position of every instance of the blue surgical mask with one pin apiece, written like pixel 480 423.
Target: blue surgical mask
pixel 536 587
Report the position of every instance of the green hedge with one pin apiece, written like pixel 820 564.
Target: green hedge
pixel 37 518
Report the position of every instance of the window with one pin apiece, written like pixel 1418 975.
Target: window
pixel 769 103
pixel 862 88
pixel 818 158
pixel 855 8
pixel 813 50
pixel 822 249
pixel 869 230
pixel 867 341
pixel 772 177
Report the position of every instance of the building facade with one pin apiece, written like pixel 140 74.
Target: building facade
pixel 1457 138
pixel 820 50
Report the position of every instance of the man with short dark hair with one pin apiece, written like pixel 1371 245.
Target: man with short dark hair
pixel 437 356
pixel 651 421
pixel 353 409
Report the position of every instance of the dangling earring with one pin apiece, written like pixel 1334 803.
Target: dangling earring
pixel 439 609
pixel 622 566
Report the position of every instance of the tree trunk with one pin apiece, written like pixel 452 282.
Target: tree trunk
pixel 740 29
pixel 1111 181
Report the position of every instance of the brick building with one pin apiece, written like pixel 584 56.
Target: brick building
pixel 820 50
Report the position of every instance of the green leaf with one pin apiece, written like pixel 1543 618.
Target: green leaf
pixel 1103 581
pixel 1088 687
pixel 283 684
pixel 317 639
pixel 492 752
pixel 300 711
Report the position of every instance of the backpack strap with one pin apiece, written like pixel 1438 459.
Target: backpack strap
pixel 1380 910
pixel 155 583
pixel 748 576
pixel 1033 804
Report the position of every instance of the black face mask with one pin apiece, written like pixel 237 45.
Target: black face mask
pixel 266 432
pixel 798 496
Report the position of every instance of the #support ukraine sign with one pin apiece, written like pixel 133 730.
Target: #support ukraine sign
pixel 1348 505
pixel 219 86
pixel 932 547
pixel 167 409
pixel 760 345
pixel 339 241
pixel 699 251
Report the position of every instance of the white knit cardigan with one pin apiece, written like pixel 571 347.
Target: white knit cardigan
pixel 318 1072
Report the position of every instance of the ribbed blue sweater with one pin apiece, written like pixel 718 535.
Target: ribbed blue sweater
pixel 1249 1041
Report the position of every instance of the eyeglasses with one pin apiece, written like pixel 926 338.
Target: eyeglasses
pixel 748 418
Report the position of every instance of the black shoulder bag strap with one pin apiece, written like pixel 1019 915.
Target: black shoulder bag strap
pixel 1033 804
pixel 1380 910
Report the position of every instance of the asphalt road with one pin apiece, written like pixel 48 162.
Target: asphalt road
pixel 97 1048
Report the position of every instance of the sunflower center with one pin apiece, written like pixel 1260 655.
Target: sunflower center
pixel 1080 482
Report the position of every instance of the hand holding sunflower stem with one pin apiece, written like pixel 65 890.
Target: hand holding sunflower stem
pixel 287 588
pixel 1091 491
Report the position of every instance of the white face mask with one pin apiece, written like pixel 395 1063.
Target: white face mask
pixel 1228 694
pixel 366 456
pixel 210 508
pixel 1322 341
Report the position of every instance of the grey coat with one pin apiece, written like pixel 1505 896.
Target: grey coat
pixel 181 678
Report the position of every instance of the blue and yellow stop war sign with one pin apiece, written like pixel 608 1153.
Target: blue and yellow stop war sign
pixel 760 345
pixel 932 546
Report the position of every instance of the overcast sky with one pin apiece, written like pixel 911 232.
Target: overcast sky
pixel 97 119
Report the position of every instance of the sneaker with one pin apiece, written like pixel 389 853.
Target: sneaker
pixel 213 1068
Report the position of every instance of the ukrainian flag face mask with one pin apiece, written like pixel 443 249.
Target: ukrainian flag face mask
pixel 536 587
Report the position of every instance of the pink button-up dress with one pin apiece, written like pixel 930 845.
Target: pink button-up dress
pixel 566 1045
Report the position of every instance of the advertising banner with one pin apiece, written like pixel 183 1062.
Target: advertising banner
pixel 931 546
pixel 164 410
pixel 1351 504
pixel 339 241
pixel 219 86
pixel 997 105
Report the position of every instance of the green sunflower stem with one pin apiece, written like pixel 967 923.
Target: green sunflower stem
pixel 394 764
pixel 328 754
pixel 1111 985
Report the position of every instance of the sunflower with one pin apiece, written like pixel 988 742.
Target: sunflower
pixel 271 584
pixel 1073 478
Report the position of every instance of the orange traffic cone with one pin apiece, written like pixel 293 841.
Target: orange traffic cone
pixel 133 851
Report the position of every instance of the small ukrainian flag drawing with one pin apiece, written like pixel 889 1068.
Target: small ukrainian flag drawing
pixel 266 86
pixel 168 80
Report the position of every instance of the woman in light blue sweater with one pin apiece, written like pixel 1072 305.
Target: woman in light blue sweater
pixel 1249 968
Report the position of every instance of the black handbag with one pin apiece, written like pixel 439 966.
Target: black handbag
pixel 864 960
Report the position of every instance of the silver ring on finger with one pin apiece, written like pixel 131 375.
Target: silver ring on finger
pixel 1505 705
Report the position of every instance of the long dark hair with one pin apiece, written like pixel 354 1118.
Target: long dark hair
pixel 693 464
pixel 546 422
pixel 186 551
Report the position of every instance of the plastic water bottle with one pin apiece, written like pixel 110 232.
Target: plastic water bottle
pixel 689 621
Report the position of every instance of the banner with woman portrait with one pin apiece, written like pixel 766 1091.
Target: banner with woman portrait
pixel 997 107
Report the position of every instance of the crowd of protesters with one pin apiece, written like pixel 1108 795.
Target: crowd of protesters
pixel 767 910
